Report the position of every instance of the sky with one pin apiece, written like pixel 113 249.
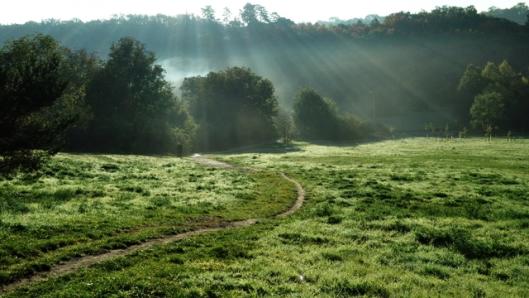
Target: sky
pixel 21 11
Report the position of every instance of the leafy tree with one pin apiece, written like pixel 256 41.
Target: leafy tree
pixel 133 106
pixel 263 14
pixel 502 79
pixel 208 13
pixel 472 80
pixel 254 14
pixel 80 69
pixel 487 112
pixel 491 72
pixel 285 127
pixel 234 107
pixel 226 16
pixel 249 14
pixel 34 94
pixel 315 117
pixel 409 46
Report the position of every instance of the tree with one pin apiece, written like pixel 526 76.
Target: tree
pixel 504 80
pixel 226 16
pixel 315 117
pixel 262 13
pixel 284 124
pixel 249 14
pixel 487 112
pixel 234 107
pixel 133 106
pixel 208 13
pixel 33 93
pixel 472 81
pixel 491 72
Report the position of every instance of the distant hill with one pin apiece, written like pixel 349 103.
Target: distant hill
pixel 407 64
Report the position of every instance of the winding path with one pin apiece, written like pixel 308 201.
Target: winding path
pixel 86 261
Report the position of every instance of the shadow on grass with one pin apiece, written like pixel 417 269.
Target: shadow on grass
pixel 275 148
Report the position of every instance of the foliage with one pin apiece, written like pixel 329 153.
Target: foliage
pixel 233 108
pixel 284 125
pixel 317 118
pixel 501 97
pixel 38 99
pixel 133 107
pixel 395 57
pixel 487 111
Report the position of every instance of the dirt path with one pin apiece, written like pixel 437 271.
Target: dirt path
pixel 208 162
pixel 86 261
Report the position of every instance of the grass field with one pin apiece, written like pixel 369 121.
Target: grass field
pixel 413 217
pixel 88 204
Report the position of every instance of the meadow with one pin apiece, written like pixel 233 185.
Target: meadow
pixel 89 204
pixel 420 217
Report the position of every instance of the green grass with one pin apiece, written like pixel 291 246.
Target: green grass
pixel 87 204
pixel 413 217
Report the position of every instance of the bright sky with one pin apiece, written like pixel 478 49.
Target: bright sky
pixel 20 11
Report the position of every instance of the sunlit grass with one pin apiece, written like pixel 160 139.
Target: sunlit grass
pixel 91 203
pixel 404 218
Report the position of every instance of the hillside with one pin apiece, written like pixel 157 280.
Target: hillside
pixel 408 65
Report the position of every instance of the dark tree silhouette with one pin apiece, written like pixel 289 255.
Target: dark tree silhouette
pixel 133 106
pixel 485 88
pixel 234 107
pixel 487 112
pixel 34 98
pixel 315 117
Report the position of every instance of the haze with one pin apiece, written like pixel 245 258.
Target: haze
pixel 299 11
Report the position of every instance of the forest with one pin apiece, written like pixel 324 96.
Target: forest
pixel 433 71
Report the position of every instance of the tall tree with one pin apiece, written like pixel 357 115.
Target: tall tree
pixel 316 118
pixel 249 14
pixel 134 108
pixel 487 112
pixel 208 13
pixel 504 80
pixel 33 94
pixel 285 127
pixel 226 16
pixel 234 107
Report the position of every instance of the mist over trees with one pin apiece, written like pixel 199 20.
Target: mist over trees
pixel 132 107
pixel 388 62
pixel 232 108
pixel 316 117
pixel 450 68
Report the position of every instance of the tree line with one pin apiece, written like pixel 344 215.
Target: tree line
pixel 53 99
pixel 397 70
pixel 497 97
